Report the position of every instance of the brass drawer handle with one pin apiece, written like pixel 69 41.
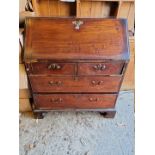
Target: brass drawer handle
pixel 93 99
pixel 54 67
pixel 55 83
pixel 96 82
pixel 77 24
pixel 99 67
pixel 56 100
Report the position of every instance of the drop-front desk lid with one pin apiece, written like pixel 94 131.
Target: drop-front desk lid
pixel 76 38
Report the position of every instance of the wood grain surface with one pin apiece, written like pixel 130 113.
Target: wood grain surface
pixel 51 68
pixel 74 101
pixel 75 63
pixel 100 68
pixel 47 84
pixel 95 39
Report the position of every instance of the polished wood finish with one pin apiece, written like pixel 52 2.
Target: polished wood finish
pixel 90 68
pixel 81 84
pixel 95 39
pixel 78 65
pixel 96 9
pixel 100 68
pixel 74 101
pixel 52 68
pixel 87 9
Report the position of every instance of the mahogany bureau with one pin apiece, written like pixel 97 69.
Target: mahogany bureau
pixel 75 63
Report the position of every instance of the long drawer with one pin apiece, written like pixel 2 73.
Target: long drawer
pixel 49 84
pixel 74 101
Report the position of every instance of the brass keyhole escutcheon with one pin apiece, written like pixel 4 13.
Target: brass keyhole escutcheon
pixel 77 24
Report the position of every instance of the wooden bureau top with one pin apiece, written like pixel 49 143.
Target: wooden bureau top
pixel 76 38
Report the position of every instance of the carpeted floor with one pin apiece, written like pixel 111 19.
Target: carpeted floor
pixel 80 133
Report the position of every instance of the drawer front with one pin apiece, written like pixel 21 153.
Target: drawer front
pixel 48 68
pixel 100 68
pixel 74 101
pixel 78 84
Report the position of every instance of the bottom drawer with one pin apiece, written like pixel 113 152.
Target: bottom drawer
pixel 74 101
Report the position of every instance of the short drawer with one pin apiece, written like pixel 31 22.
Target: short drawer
pixel 75 84
pixel 100 68
pixel 52 68
pixel 74 101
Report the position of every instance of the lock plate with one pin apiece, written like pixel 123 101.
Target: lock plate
pixel 77 24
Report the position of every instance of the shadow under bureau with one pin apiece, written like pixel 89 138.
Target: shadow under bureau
pixel 75 63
